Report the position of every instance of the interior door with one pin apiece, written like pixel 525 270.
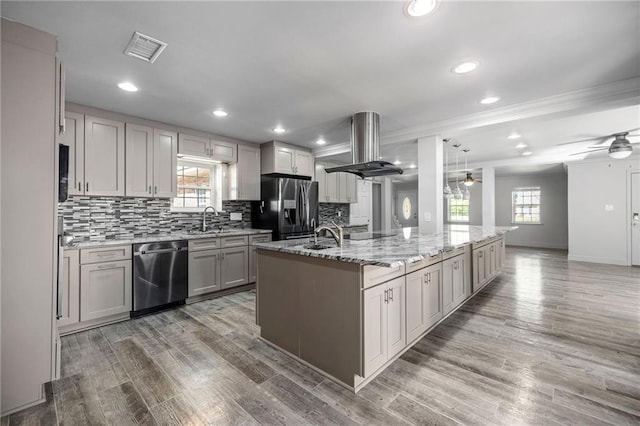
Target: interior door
pixel 635 218
pixel 407 208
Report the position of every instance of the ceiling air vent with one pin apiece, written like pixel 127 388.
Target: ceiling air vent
pixel 144 47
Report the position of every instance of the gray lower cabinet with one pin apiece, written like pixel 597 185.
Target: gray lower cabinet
pixel 105 289
pixel 424 300
pixel 453 283
pixel 70 313
pixel 384 323
pixel 253 264
pixel 487 262
pixel 234 266
pixel 204 272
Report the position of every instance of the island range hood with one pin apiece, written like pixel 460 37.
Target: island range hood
pixel 365 148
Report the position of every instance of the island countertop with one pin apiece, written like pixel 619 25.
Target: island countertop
pixel 405 245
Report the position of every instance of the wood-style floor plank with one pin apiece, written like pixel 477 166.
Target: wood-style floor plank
pixel 547 342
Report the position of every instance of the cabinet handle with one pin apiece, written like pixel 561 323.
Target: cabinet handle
pixel 111 265
pixel 87 186
pixel 155 189
pixel 149 189
pixel 492 248
pixel 79 186
pixel 480 254
pixel 386 296
pixel 108 254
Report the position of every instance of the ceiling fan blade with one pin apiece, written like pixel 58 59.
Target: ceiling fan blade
pixel 602 139
pixel 593 150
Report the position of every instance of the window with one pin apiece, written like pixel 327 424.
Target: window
pixel 199 185
pixel 526 205
pixel 458 210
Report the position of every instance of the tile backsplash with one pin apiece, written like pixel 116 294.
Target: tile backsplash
pixel 329 211
pixel 103 218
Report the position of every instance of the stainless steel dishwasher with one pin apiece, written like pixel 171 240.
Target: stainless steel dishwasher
pixel 160 275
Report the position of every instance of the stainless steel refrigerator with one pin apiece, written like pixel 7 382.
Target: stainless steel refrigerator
pixel 287 206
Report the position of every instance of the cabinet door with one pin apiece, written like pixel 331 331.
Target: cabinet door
pixel 415 304
pixel 139 161
pixel 321 178
pixel 165 152
pixel 248 174
pixel 342 187
pixel 303 163
pixel 193 145
pixel 433 293
pixel 103 157
pixel 492 259
pixel 253 266
pixel 351 195
pixel 447 285
pixel 204 272
pixel 375 328
pixel 70 313
pixel 396 325
pixel 332 192
pixel 458 280
pixel 105 289
pixel 501 253
pixel 479 270
pixel 74 138
pixel 234 269
pixel 284 160
pixel 224 151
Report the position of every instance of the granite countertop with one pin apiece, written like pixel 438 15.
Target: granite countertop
pixel 150 238
pixel 404 246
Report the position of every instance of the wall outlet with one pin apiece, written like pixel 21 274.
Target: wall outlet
pixel 339 213
pixel 608 207
pixel 235 216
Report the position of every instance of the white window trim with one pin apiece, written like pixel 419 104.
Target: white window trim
pixel 513 215
pixel 216 190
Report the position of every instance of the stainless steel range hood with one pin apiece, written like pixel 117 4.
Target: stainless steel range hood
pixel 365 148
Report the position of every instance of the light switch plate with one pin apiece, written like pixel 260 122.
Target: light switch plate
pixel 608 207
pixel 427 216
pixel 235 216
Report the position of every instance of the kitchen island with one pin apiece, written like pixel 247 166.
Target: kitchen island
pixel 350 311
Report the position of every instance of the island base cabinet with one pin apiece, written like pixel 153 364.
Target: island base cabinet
pixel 423 301
pixel 105 289
pixel 384 323
pixel 204 272
pixel 453 283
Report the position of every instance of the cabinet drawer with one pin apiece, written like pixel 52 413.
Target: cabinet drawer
pixel 105 254
pixel 262 238
pixel 234 241
pixel 429 260
pixel 479 244
pixel 453 252
pixel 378 274
pixel 204 244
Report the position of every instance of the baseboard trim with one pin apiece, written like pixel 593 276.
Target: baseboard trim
pixel 603 260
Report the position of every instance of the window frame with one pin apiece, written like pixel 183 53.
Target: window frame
pixel 520 189
pixel 468 206
pixel 215 185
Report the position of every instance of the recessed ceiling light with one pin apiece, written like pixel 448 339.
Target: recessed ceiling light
pixel 420 7
pixel 412 166
pixel 128 87
pixel 527 153
pixel 397 162
pixel 490 100
pixel 465 67
pixel 220 113
pixel 321 141
pixel 279 129
pixel 513 135
pixel 521 145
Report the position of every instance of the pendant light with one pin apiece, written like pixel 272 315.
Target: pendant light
pixel 457 193
pixel 447 188
pixel 468 181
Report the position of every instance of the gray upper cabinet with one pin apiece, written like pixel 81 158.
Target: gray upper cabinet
pixel 104 155
pixel 243 177
pixel 277 157
pixel 197 146
pixel 151 162
pixel 335 187
pixel 74 138
pixel 348 188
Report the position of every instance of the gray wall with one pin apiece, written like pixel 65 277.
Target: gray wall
pixel 475 203
pixel 597 233
pixel 403 186
pixel 553 232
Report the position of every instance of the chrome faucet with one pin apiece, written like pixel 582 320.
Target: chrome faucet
pixel 337 234
pixel 204 216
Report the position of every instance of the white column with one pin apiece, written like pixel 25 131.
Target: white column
pixel 430 181
pixel 488 196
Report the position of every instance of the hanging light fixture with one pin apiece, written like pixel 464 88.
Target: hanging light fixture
pixel 620 147
pixel 468 181
pixel 447 188
pixel 457 193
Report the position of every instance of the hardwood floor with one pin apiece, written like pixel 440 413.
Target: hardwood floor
pixel 548 342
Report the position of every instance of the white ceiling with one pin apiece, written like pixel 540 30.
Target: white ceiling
pixel 308 66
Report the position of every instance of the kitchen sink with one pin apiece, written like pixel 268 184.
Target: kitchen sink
pixel 316 246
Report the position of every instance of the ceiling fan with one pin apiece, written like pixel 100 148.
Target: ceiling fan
pixel 468 180
pixel 620 146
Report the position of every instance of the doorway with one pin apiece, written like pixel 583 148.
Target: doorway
pixel 635 218
pixel 407 208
